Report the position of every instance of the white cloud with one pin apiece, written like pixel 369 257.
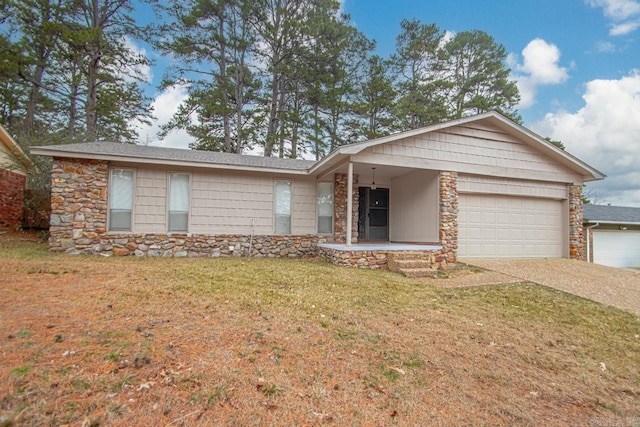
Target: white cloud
pixel 605 133
pixel 540 66
pixel 624 14
pixel 605 47
pixel 143 71
pixel 624 28
pixel 165 106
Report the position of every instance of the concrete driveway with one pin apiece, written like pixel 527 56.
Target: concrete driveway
pixel 617 287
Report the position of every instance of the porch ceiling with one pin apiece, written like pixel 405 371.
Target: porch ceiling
pixel 384 173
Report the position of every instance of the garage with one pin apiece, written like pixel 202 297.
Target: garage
pixel 495 226
pixel 616 248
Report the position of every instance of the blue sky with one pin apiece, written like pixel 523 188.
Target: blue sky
pixel 576 62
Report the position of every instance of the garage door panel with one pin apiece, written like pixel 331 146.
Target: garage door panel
pixel 510 227
pixel 616 248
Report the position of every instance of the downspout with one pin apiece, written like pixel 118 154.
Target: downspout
pixel 251 237
pixel 597 224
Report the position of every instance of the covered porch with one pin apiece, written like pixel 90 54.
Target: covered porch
pixel 382 209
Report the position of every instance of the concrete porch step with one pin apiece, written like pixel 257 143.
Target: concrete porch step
pixel 406 255
pixel 419 272
pixel 408 261
pixel 398 264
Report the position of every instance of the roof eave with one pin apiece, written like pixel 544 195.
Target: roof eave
pixel 15 149
pixel 46 151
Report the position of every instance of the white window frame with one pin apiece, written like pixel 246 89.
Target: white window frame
pixel 186 212
pixel 318 207
pixel 276 214
pixel 111 197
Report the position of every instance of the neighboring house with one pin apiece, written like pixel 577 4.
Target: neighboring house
pixel 613 235
pixel 479 186
pixel 14 164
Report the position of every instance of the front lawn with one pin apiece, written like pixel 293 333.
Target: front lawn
pixel 125 341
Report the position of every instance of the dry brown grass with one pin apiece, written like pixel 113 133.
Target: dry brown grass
pixel 105 341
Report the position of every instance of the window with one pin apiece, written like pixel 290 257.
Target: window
pixel 283 207
pixel 120 199
pixel 325 207
pixel 178 202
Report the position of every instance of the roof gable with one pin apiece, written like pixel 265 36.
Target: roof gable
pixel 14 149
pixel 491 122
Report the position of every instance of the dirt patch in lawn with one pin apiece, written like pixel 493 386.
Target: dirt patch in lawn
pixel 106 341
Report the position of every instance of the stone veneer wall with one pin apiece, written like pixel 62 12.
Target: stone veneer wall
pixel 340 208
pixel 200 245
pixel 576 227
pixel 449 215
pixel 78 202
pixel 78 224
pixel 375 259
pixel 11 198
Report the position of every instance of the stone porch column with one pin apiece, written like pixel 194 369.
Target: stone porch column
pixel 576 227
pixel 449 215
pixel 340 208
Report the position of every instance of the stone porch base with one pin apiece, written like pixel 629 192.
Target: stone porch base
pixel 374 256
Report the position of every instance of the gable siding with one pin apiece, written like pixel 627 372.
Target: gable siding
pixel 472 149
pixel 150 210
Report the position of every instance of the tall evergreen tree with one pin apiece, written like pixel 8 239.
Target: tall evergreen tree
pixel 476 75
pixel 418 63
pixel 213 41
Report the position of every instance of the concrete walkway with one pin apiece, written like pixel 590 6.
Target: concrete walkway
pixel 617 287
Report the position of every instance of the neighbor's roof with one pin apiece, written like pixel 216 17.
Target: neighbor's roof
pixel 113 151
pixel 611 214
pixel 14 148
pixel 507 125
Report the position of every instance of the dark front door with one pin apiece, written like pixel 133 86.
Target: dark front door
pixel 373 214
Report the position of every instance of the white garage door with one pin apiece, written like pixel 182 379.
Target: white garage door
pixel 616 248
pixel 492 226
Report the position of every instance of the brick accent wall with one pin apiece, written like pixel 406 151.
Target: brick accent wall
pixel 340 208
pixel 449 215
pixel 12 187
pixel 576 227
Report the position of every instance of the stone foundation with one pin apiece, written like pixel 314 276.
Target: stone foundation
pixel 375 259
pixel 192 245
pixel 11 198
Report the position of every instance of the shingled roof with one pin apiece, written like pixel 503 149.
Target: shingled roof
pixel 147 154
pixel 611 214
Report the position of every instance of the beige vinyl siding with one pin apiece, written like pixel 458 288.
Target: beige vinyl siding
pixel 303 219
pixel 150 204
pixel 472 149
pixel 413 207
pixel 227 203
pixel 515 187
